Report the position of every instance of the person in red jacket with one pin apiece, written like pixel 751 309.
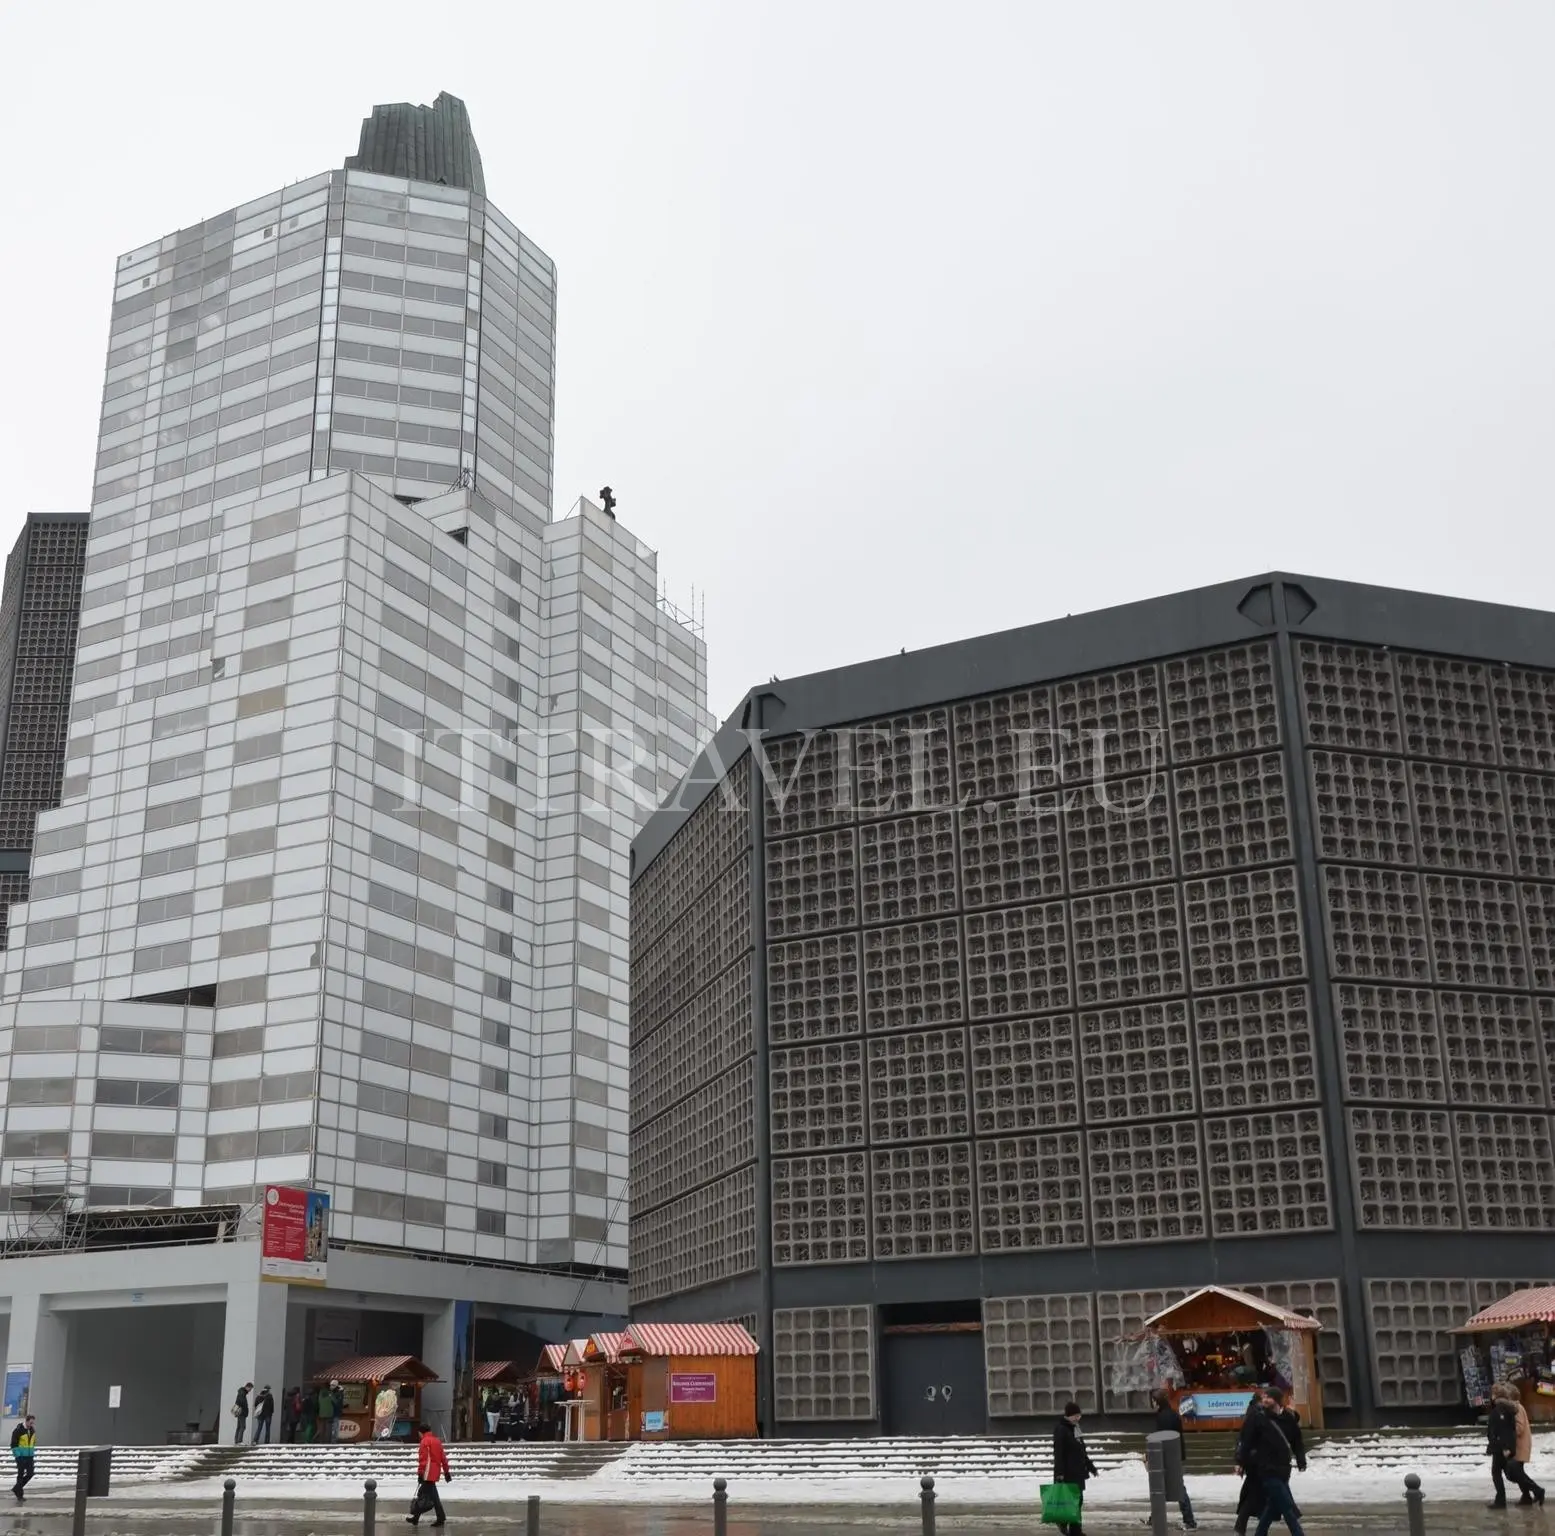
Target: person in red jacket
pixel 431 1464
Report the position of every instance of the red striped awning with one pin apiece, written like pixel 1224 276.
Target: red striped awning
pixel 375 1368
pixel 552 1361
pixel 488 1372
pixel 604 1346
pixel 657 1340
pixel 1515 1311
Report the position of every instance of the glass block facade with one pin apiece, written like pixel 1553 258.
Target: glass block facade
pixel 357 743
pixel 1199 941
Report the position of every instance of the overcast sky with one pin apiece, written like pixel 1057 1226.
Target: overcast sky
pixel 893 323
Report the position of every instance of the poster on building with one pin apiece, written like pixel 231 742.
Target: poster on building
pixel 18 1386
pixel 294 1240
pixel 693 1387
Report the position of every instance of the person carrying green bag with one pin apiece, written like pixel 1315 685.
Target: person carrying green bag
pixel 1064 1499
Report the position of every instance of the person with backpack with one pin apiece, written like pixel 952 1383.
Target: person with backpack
pixel 431 1464
pixel 240 1410
pixel 24 1444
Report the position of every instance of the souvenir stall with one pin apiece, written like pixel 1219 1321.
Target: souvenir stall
pixel 605 1415
pixel 544 1390
pixel 380 1395
pixel 574 1385
pixel 1216 1348
pixel 499 1399
pixel 1513 1341
pixel 690 1381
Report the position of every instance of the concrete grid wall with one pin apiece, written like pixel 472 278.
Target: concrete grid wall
pixel 1096 1018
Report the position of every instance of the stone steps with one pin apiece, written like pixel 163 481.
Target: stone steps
pixel 747 1460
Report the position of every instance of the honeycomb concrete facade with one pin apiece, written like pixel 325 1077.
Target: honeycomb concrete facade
pixel 1018 986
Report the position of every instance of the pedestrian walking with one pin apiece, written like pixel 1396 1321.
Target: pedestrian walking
pixel 1169 1421
pixel 24 1443
pixel 1285 1415
pixel 264 1412
pixel 337 1406
pixel 289 1405
pixel 1270 1460
pixel 431 1464
pixel 1510 1438
pixel 1249 1502
pixel 240 1410
pixel 1071 1463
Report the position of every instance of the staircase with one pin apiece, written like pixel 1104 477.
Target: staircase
pixel 698 1462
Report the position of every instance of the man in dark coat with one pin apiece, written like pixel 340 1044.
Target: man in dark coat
pixel 240 1410
pixel 1507 1456
pixel 1269 1459
pixel 1169 1421
pixel 264 1412
pixel 1249 1503
pixel 1071 1464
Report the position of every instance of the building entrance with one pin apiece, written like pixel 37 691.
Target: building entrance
pixel 932 1375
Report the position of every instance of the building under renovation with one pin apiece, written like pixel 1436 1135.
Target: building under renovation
pixel 989 999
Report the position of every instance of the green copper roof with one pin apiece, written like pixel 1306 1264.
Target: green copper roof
pixel 423 143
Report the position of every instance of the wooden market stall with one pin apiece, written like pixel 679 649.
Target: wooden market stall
pixel 574 1387
pixel 690 1381
pixel 1513 1340
pixel 382 1395
pixel 546 1389
pixel 497 1385
pixel 605 1414
pixel 1221 1345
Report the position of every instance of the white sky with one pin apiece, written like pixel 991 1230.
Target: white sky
pixel 894 323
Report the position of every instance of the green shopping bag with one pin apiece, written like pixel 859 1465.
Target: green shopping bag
pixel 1061 1504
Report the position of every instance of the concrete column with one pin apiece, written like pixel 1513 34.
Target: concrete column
pixel 439 1346
pixel 253 1344
pixel 37 1340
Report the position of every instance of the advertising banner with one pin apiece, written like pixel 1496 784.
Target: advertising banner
pixel 294 1240
pixel 18 1384
pixel 1214 1405
pixel 693 1387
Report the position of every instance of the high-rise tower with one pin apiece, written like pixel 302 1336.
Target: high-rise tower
pixel 359 737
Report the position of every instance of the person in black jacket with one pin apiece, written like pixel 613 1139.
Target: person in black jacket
pixel 264 1412
pixel 1071 1464
pixel 240 1410
pixel 1249 1503
pixel 1169 1421
pixel 1505 1462
pixel 1269 1459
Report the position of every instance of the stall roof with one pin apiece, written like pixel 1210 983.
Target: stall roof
pixel 1182 1314
pixel 552 1361
pixel 662 1339
pixel 604 1346
pixel 497 1372
pixel 574 1354
pixel 358 1368
pixel 1521 1307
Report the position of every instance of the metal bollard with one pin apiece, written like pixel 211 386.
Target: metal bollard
pixel 1414 1503
pixel 1155 1470
pixel 370 1507
pixel 229 1498
pixel 926 1498
pixel 532 1516
pixel 720 1507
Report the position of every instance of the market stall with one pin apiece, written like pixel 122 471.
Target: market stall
pixel 690 1381
pixel 574 1383
pixel 604 1388
pixel 1513 1340
pixel 1214 1350
pixel 499 1399
pixel 380 1395
pixel 544 1390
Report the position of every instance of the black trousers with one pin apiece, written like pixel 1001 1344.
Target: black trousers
pixel 1519 1475
pixel 426 1493
pixel 24 1475
pixel 1074 1528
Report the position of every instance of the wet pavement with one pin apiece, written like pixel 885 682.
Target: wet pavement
pixel 471 1518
